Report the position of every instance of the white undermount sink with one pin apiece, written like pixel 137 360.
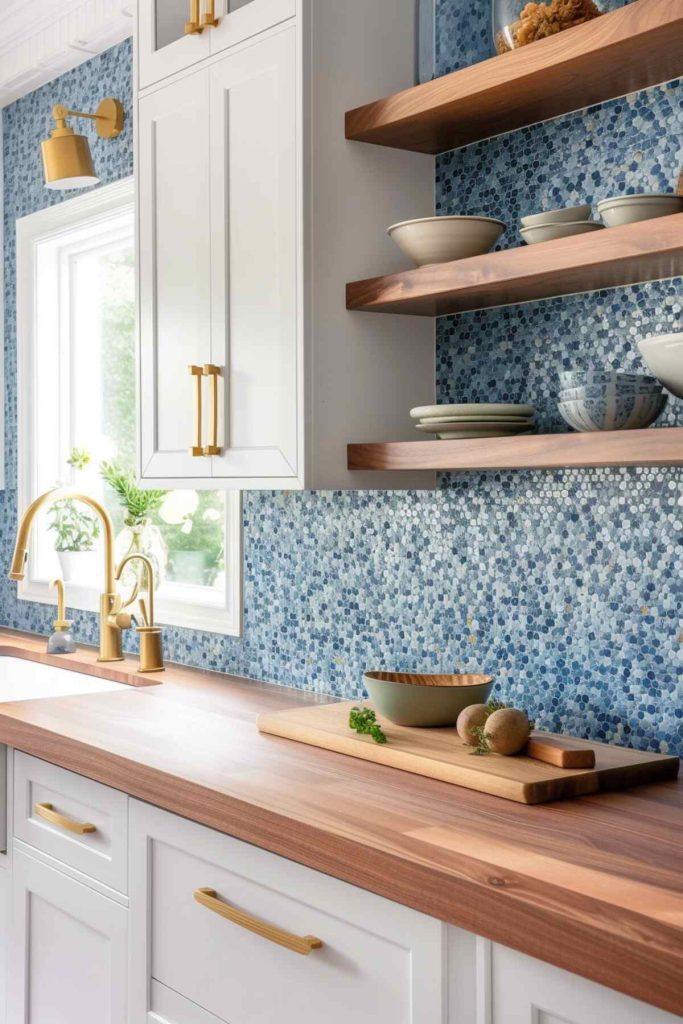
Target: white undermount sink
pixel 21 679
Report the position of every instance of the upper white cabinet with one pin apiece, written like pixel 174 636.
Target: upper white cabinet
pixel 175 34
pixel 253 213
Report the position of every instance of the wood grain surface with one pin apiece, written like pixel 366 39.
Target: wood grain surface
pixel 441 754
pixel 628 49
pixel 593 885
pixel 647 251
pixel 658 446
pixel 561 751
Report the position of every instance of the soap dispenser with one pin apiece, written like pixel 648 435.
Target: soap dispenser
pixel 61 641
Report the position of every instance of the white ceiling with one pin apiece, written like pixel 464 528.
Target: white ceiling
pixel 40 39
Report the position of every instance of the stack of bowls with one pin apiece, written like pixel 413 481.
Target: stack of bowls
pixel 544 227
pixel 609 400
pixel 474 419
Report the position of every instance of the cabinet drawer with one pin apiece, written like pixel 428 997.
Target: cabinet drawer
pixel 79 822
pixel 378 963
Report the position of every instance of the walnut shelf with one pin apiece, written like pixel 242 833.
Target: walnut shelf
pixel 648 251
pixel 632 48
pixel 654 447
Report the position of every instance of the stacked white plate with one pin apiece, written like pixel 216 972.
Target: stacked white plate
pixel 474 419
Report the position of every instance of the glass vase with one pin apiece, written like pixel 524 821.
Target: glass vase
pixel 518 22
pixel 142 539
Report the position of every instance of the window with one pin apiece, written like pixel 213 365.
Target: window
pixel 77 423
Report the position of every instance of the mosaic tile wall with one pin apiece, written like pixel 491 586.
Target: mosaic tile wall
pixel 566 586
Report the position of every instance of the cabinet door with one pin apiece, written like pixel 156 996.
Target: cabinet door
pixel 240 19
pixel 527 991
pixel 254 261
pixel 163 46
pixel 226 925
pixel 68 950
pixel 174 260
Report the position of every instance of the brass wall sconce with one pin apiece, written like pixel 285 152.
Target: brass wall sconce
pixel 67 161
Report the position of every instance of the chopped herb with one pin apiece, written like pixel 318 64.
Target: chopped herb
pixel 482 746
pixel 364 721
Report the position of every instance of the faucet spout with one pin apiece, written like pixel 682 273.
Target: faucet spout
pixel 110 634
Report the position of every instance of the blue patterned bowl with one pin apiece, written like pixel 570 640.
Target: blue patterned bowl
pixel 579 378
pixel 613 412
pixel 603 390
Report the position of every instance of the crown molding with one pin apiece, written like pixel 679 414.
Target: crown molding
pixel 41 39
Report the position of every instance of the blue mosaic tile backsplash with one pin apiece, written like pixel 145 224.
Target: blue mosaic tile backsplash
pixel 566 586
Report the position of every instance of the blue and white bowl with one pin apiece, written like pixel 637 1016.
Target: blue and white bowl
pixel 602 390
pixel 613 412
pixel 580 378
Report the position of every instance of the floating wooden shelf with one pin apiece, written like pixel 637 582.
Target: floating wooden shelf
pixel 632 48
pixel 654 447
pixel 648 251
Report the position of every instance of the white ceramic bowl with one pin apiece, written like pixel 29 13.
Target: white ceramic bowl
pixel 613 412
pixel 569 213
pixel 621 210
pixel 664 356
pixel 443 239
pixel 548 232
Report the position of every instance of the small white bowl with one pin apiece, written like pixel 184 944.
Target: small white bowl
pixel 432 240
pixel 548 232
pixel 569 213
pixel 621 210
pixel 663 354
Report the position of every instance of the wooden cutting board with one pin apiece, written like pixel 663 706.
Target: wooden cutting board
pixel 441 754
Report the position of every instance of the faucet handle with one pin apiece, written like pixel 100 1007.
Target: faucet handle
pixel 61 623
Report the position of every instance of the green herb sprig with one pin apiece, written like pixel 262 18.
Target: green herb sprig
pixel 364 721
pixel 479 731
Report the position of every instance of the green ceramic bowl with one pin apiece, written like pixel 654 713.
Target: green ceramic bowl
pixel 425 701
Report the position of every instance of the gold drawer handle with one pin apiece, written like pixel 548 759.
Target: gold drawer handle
pixel 48 812
pixel 214 373
pixel 210 20
pixel 297 943
pixel 193 27
pixel 196 372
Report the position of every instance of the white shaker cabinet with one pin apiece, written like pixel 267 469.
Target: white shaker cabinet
pixel 254 212
pixel 217 269
pixel 239 935
pixel 170 39
pixel 522 990
pixel 68 950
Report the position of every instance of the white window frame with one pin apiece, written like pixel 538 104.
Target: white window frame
pixel 225 616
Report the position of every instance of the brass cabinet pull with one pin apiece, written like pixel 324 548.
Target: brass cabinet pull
pixel 214 373
pixel 303 944
pixel 210 20
pixel 47 811
pixel 196 372
pixel 193 26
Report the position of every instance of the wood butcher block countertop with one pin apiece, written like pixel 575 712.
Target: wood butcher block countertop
pixel 593 885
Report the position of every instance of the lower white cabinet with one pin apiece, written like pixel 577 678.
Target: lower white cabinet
pixel 216 931
pixel 527 991
pixel 68 950
pixel 252 938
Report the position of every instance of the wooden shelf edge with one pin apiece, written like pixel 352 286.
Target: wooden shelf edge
pixel 646 251
pixel 632 48
pixel 658 446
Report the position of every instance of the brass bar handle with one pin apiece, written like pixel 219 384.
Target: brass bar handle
pixel 47 811
pixel 302 944
pixel 214 373
pixel 193 27
pixel 196 372
pixel 210 20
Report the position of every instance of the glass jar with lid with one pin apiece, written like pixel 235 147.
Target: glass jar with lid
pixel 519 22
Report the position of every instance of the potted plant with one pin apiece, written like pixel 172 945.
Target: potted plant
pixel 139 534
pixel 76 528
pixel 194 536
